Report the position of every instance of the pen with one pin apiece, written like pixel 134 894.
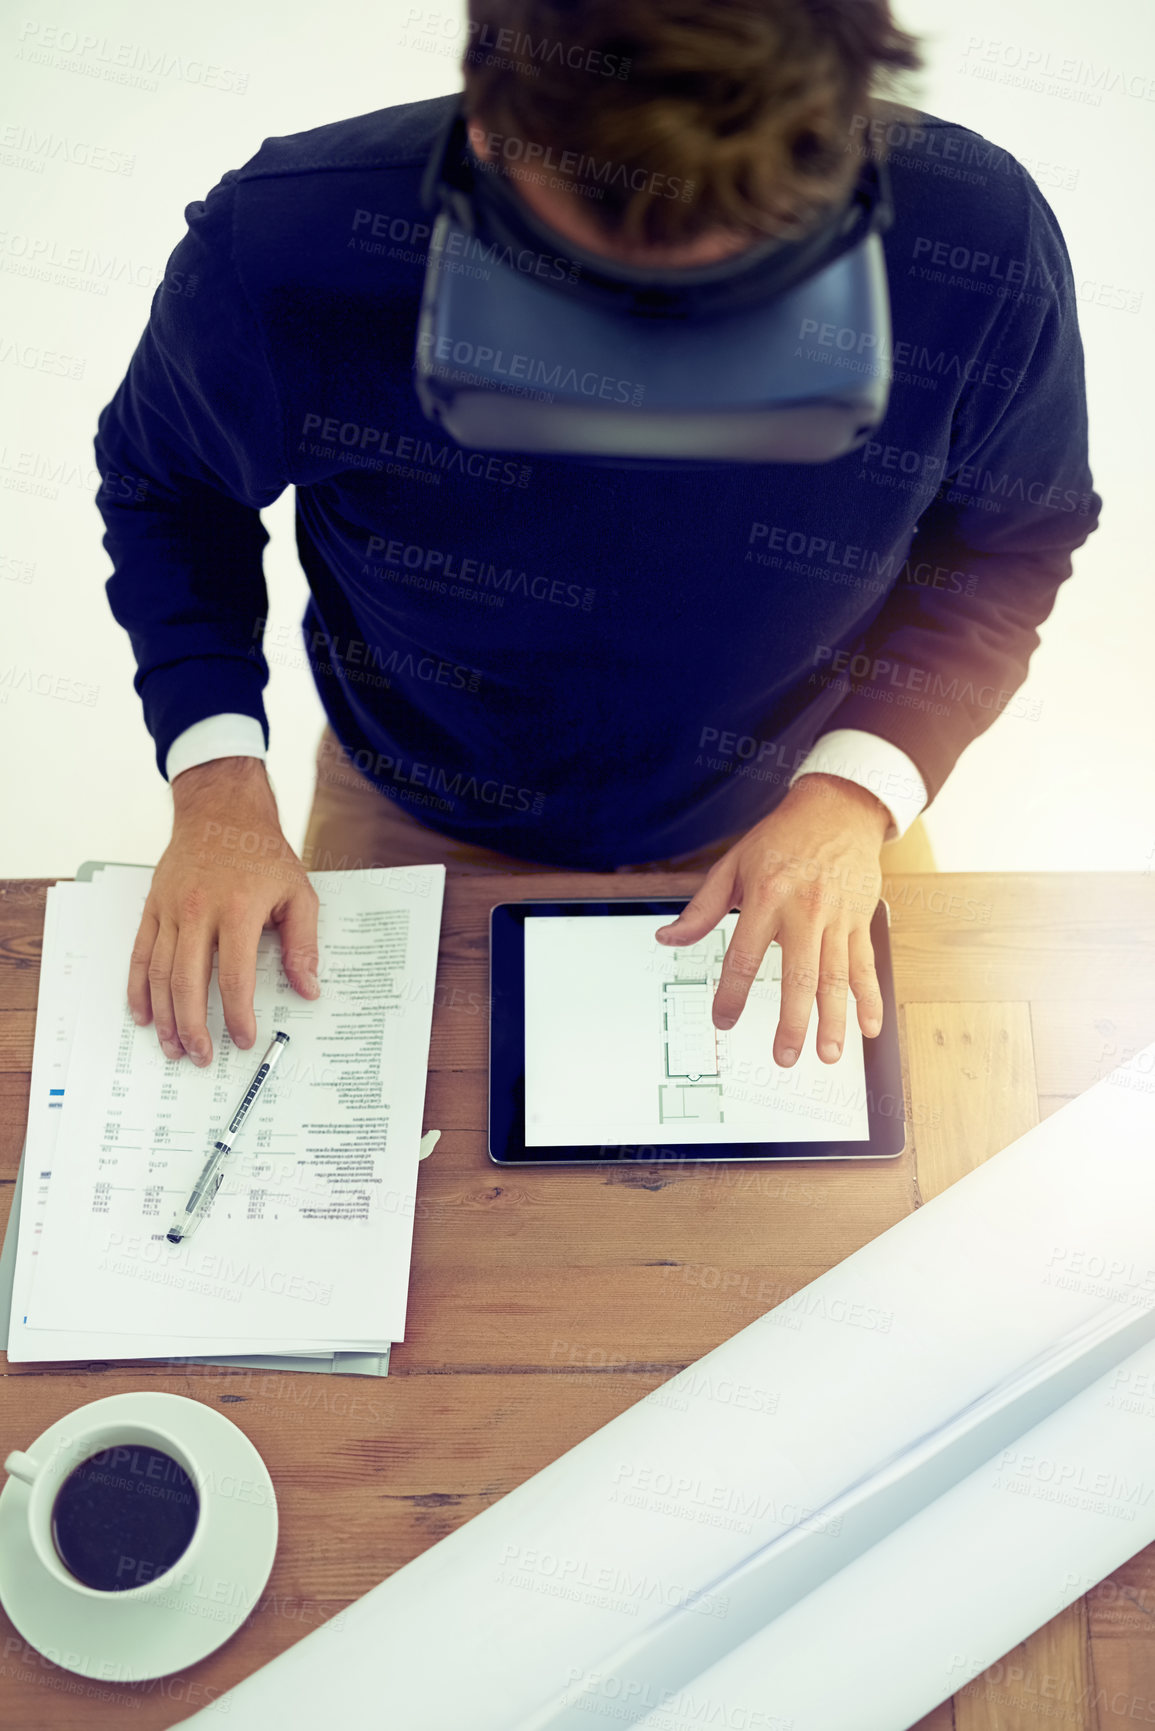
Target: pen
pixel 187 1219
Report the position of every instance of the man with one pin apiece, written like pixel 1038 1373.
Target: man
pixel 766 669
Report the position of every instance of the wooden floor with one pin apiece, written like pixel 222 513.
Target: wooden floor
pixel 545 1303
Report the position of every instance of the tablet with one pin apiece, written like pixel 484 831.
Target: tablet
pixel 602 1047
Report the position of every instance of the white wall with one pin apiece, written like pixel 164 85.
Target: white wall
pixel 82 247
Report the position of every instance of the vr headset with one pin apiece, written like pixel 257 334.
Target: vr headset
pixel 528 343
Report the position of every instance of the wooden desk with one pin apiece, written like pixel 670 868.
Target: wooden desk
pixel 543 1303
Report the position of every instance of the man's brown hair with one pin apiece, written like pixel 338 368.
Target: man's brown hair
pixel 671 117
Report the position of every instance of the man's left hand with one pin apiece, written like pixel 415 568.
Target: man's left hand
pixel 807 875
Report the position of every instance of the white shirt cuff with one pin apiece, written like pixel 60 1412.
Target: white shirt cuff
pixel 227 735
pixel 873 763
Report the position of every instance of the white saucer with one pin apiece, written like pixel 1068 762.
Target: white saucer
pixel 130 1643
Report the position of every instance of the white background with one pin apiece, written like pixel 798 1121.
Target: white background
pixel 1073 789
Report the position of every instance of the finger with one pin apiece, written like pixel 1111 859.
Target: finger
pixel 801 954
pixel 833 980
pixel 745 954
pixel 237 979
pixel 298 927
pixel 192 967
pixel 704 909
pixel 160 990
pixel 139 998
pixel 864 982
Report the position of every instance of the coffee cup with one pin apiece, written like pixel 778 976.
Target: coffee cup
pixel 111 1509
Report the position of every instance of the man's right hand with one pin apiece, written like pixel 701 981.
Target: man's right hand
pixel 227 874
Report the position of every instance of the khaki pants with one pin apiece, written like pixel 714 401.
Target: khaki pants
pixel 353 826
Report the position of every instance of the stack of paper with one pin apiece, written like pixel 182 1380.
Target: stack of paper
pixel 305 1249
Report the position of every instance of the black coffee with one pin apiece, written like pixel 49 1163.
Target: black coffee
pixel 123 1517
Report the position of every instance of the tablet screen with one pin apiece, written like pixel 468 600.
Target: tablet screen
pixel 620 1046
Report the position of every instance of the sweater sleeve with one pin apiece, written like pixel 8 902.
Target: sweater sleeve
pixel 188 450
pixel 951 644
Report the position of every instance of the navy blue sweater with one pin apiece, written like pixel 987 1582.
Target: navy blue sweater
pixel 582 664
